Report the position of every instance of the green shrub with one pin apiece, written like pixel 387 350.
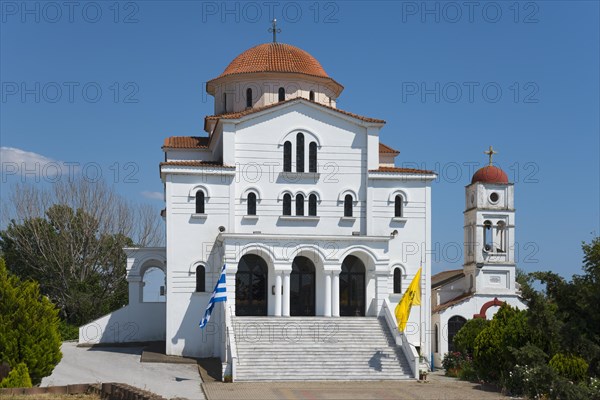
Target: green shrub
pixel 529 355
pixel 564 389
pixel 467 371
pixel 573 368
pixel 464 340
pixel 68 331
pixel 492 355
pixel 28 326
pixel 18 377
pixel 452 362
pixel 531 381
pixel 594 389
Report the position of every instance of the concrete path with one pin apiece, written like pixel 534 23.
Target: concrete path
pixel 439 387
pixel 122 364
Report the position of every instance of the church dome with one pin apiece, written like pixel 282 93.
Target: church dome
pixel 275 57
pixel 490 174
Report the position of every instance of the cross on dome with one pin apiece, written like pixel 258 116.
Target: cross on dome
pixel 274 30
pixel 490 153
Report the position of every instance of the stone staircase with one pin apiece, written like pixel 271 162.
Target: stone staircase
pixel 317 348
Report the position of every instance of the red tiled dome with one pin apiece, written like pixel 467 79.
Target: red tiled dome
pixel 275 57
pixel 490 174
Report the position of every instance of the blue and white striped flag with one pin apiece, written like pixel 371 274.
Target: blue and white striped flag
pixel 219 294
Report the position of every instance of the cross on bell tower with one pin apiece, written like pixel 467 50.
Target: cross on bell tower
pixel 490 153
pixel 274 30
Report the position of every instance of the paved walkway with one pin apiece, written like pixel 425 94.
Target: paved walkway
pixel 122 364
pixel 439 387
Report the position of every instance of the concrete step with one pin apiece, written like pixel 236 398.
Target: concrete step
pixel 317 348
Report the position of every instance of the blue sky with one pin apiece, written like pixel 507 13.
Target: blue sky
pixel 103 83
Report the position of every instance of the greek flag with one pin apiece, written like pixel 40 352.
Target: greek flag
pixel 219 294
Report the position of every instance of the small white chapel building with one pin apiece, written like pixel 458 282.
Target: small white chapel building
pixel 487 279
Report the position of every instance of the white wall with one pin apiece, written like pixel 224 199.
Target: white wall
pixel 142 322
pixel 265 90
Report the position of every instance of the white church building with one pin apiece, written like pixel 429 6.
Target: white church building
pixel 319 231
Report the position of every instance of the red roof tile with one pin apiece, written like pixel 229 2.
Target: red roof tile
pixel 236 115
pixel 402 170
pixel 186 142
pixel 490 174
pixel 385 149
pixel 275 57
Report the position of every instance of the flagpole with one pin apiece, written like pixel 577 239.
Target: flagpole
pixel 420 317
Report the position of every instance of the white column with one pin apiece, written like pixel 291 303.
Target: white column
pixel 135 289
pixel 327 294
pixel 286 294
pixel 335 295
pixel 278 294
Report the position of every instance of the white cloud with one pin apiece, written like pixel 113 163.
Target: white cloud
pixel 153 195
pixel 29 165
pixel 14 155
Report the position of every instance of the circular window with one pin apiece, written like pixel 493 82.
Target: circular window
pixel 494 197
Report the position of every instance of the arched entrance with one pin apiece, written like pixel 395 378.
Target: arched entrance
pixel 352 287
pixel 454 325
pixel 302 287
pixel 251 286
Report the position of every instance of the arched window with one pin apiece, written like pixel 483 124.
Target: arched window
pixel 454 325
pixel 153 282
pixel 281 94
pixel 199 202
pixel 501 232
pixel 249 97
pixel 287 204
pixel 299 204
pixel 312 157
pixel 488 240
pixel 312 205
pixel 287 157
pixel 251 203
pixel 348 205
pixel 200 279
pixel 397 280
pixel 398 206
pixel 300 152
pixel 311 95
pixel 224 102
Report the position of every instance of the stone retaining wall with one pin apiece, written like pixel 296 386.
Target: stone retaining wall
pixel 107 391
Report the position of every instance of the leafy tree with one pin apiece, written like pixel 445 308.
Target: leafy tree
pixel 464 340
pixel 70 239
pixel 573 305
pixel 571 367
pixel 28 327
pixel 508 329
pixel 18 377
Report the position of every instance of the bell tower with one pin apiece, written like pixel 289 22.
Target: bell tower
pixel 489 225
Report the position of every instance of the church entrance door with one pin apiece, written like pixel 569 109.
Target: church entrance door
pixel 352 287
pixel 302 287
pixel 251 286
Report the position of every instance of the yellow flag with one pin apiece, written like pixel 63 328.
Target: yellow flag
pixel 412 297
